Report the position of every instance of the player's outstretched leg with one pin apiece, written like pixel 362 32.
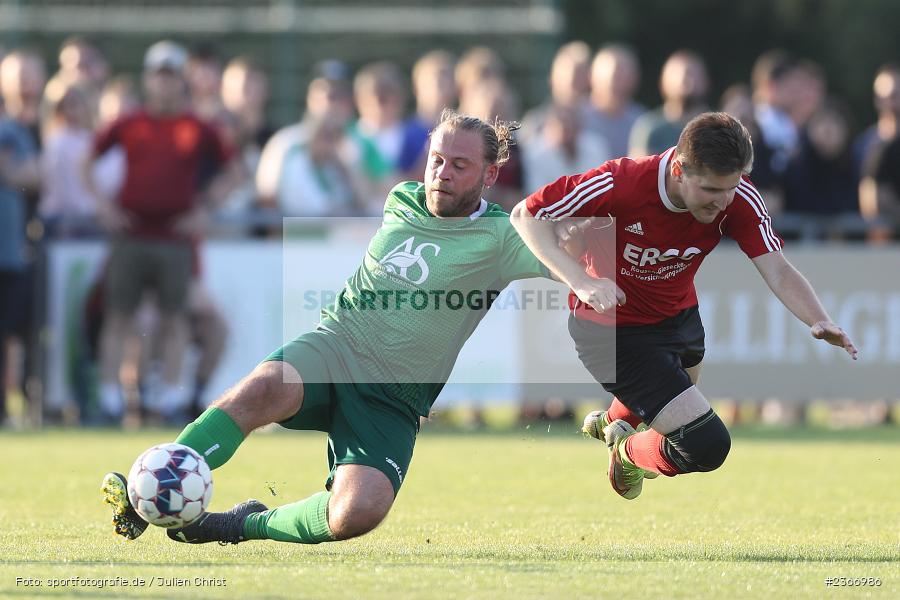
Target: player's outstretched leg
pixel 359 499
pixel 224 527
pixel 126 521
pixel 626 478
pixel 271 392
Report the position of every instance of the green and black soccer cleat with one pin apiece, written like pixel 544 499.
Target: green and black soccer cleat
pixel 127 522
pixel 626 478
pixel 594 424
pixel 224 527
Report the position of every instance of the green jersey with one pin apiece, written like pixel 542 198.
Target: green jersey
pixel 424 285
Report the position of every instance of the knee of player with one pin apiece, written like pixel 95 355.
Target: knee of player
pixel 355 518
pixel 719 445
pixel 716 444
pixel 703 446
pixel 277 383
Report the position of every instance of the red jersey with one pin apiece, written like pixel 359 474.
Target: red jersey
pixel 658 246
pixel 166 158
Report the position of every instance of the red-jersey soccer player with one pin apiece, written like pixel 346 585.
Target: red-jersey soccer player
pixel 669 211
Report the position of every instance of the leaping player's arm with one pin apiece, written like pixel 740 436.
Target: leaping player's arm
pixel 796 293
pixel 540 237
pixel 535 219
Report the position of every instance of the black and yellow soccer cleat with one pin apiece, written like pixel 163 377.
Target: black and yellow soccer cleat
pixel 127 522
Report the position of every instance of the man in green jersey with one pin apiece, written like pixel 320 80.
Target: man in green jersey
pixel 380 355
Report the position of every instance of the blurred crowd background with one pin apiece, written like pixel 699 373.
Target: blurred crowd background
pixel 156 126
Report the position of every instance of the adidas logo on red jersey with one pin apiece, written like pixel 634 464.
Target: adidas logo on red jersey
pixel 635 228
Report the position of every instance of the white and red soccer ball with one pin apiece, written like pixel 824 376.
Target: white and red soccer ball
pixel 170 485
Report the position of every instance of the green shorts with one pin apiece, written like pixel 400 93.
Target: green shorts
pixel 364 426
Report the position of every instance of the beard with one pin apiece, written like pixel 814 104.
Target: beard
pixel 460 204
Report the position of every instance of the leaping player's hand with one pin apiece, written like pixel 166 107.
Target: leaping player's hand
pixel 834 335
pixel 569 229
pixel 601 294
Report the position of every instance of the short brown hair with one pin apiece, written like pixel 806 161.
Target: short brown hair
pixel 717 142
pixel 497 136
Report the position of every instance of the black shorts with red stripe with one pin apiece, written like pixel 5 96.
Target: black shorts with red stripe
pixel 643 365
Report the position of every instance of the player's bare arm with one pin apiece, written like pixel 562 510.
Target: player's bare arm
pixel 541 237
pixel 796 293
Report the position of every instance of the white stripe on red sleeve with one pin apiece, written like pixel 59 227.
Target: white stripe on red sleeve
pixel 749 193
pixel 581 193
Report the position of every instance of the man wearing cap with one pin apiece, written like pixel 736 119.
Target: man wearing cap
pixel 153 219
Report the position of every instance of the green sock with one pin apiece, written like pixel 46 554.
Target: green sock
pixel 304 522
pixel 214 435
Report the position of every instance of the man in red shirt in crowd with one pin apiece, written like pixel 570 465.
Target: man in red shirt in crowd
pixel 154 219
pixel 635 320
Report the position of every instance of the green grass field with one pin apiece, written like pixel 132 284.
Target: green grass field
pixel 527 514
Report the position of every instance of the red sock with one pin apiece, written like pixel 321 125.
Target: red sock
pixel 617 410
pixel 645 450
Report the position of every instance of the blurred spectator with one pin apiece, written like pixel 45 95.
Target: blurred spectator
pixel 19 172
pixel 876 153
pixel 329 95
pixel 82 63
pixel 476 65
pixel 570 86
pixel 615 76
pixel 119 97
pixel 434 86
pixel 435 90
pixel 880 191
pixel 381 134
pixel 886 89
pixel 562 147
pixel 820 179
pixel 66 205
pixel 489 100
pixel 316 179
pixel 154 221
pixel 684 85
pixel 204 80
pixel 22 79
pixel 774 92
pixel 807 91
pixel 245 91
pixel 737 101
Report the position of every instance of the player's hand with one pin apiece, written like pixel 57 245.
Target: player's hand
pixel 569 229
pixel 601 294
pixel 834 335
pixel 112 218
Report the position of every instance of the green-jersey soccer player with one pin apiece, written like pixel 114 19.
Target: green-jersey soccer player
pixel 380 355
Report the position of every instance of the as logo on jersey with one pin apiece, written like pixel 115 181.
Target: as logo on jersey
pixel 641 257
pixel 401 259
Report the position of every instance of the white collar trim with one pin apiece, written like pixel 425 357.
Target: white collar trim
pixel 661 181
pixel 482 208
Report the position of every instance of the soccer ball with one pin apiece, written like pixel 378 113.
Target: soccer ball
pixel 170 485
